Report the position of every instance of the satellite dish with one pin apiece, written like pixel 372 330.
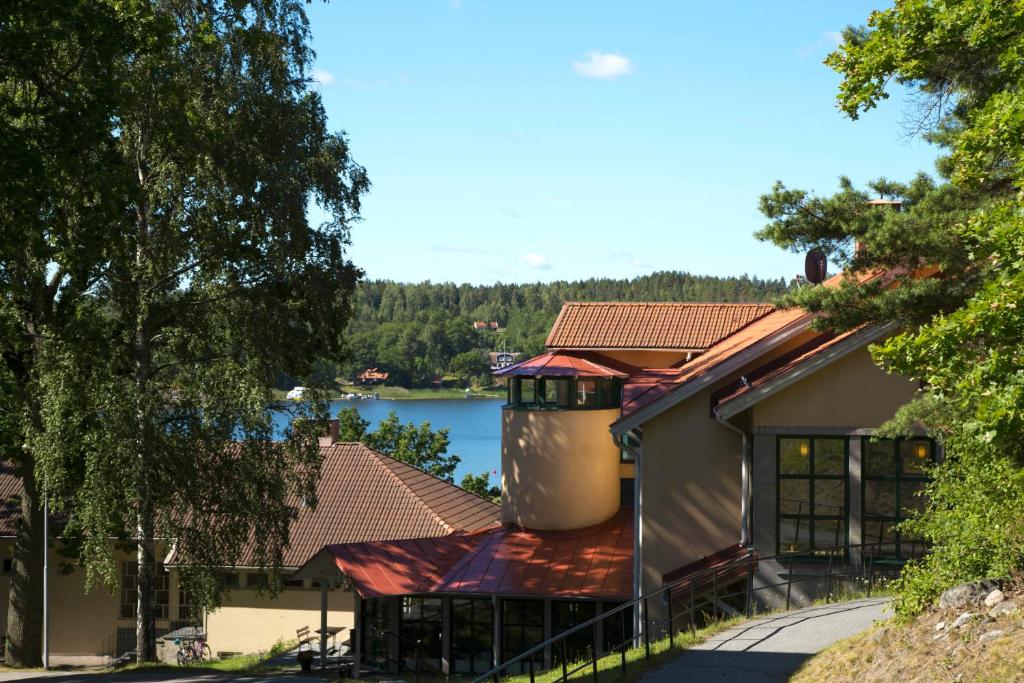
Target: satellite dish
pixel 815 266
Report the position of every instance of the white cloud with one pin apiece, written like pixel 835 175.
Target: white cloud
pixel 603 65
pixel 834 37
pixel 323 76
pixel 535 260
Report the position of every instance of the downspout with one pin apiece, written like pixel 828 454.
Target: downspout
pixel 638 498
pixel 744 479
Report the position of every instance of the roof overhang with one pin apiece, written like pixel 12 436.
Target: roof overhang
pixel 815 362
pixel 707 379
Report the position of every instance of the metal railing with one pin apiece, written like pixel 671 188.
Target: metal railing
pixel 715 585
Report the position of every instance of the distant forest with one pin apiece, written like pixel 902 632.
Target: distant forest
pixel 418 332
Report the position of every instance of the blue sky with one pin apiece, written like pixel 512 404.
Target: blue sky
pixel 532 141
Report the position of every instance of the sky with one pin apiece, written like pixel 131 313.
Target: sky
pixel 521 141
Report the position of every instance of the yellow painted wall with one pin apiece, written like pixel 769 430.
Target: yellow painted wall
pixel 248 622
pixel 559 468
pixel 851 392
pixel 691 488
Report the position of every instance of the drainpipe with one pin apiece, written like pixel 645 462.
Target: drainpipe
pixel 744 479
pixel 638 501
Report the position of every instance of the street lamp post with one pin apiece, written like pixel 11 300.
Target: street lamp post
pixel 46 581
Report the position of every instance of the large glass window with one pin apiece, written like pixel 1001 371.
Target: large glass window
pixel 472 635
pixel 522 627
pixel 421 622
pixel 812 493
pixel 895 474
pixel 565 615
pixel 564 393
pixel 130 591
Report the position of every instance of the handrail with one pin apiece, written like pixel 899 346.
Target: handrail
pixel 688 582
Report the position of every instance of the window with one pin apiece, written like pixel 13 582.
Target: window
pixel 812 493
pixel 294 583
pixel 627 493
pixel 522 627
pixel 631 443
pixel 472 635
pixel 421 622
pixel 564 616
pixel 895 473
pixel 229 580
pixel 130 591
pixel 564 393
pixel 8 566
pixel 556 392
pixel 186 612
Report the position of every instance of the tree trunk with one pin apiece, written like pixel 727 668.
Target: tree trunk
pixel 145 622
pixel 25 604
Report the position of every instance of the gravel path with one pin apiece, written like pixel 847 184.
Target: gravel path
pixel 770 648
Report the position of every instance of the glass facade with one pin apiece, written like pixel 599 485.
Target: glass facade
pixel 565 615
pixel 564 393
pixel 812 493
pixel 895 474
pixel 522 627
pixel 420 622
pixel 472 635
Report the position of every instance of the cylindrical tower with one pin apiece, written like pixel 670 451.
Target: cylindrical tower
pixel 559 464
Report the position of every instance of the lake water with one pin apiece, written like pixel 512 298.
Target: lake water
pixel 474 426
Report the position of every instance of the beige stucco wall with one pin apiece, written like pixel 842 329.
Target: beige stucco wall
pixel 851 392
pixel 647 359
pixel 249 622
pixel 559 468
pixel 690 472
pixel 83 624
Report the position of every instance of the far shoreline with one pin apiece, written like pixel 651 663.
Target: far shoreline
pixel 403 394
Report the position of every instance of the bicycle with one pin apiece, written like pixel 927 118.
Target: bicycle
pixel 192 650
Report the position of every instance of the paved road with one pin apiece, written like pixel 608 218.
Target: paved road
pixel 771 648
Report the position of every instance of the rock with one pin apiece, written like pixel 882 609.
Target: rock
pixel 989 635
pixel 879 635
pixel 938 635
pixel 967 594
pixel 939 626
pixel 963 619
pixel 994 598
pixel 1003 608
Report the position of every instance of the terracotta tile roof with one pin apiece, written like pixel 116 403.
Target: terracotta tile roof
pixel 569 364
pixel 654 385
pixel 364 495
pixel 595 562
pixel 669 326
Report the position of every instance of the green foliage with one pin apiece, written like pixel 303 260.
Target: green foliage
pixel 480 484
pixel 962 331
pixel 470 365
pixel 165 269
pixel 419 446
pixel 416 331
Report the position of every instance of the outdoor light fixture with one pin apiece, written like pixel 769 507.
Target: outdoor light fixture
pixel 805 449
pixel 921 451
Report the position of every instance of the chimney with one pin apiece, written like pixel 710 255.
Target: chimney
pixel 332 433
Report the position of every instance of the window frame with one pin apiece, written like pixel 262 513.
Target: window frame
pixel 811 477
pixel 128 609
pixel 607 391
pixel 899 479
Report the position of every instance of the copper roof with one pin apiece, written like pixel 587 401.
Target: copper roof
pixel 594 562
pixel 651 386
pixel 568 364
pixel 651 326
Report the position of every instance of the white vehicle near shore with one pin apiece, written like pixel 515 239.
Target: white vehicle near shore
pixel 296 393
